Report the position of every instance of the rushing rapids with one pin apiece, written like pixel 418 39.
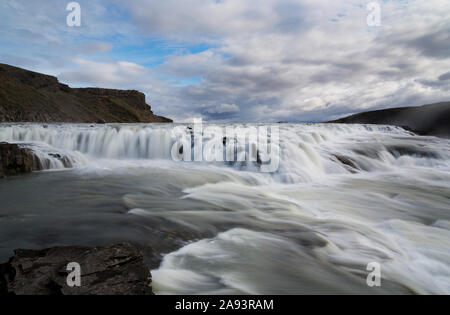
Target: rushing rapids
pixel 341 197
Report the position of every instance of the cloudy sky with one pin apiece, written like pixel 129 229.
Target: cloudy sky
pixel 241 60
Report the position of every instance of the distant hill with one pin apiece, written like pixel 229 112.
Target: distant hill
pixel 433 119
pixel 27 96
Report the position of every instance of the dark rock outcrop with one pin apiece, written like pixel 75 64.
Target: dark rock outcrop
pixel 27 96
pixel 112 270
pixel 433 119
pixel 347 162
pixel 15 160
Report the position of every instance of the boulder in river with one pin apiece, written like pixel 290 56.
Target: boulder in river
pixel 347 162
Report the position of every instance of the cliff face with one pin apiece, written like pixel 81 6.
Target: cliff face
pixel 27 96
pixel 433 119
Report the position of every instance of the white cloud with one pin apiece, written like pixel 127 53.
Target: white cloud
pixel 323 68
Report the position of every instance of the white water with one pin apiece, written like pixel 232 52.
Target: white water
pixel 311 227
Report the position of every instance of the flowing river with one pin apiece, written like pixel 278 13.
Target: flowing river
pixel 340 198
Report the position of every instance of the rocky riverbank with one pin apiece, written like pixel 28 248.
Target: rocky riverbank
pixel 112 270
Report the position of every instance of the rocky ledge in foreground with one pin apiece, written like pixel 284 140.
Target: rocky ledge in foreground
pixel 112 270
pixel 15 160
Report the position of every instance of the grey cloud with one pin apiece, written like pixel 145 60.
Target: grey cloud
pixel 95 47
pixel 435 44
pixel 290 17
pixel 270 59
pixel 199 20
pixel 444 77
pixel 438 84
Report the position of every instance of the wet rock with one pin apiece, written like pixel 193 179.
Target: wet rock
pixel 112 270
pixel 15 160
pixel 346 161
pixel 258 158
pixel 64 159
pixel 101 122
pixel 226 141
pixel 7 274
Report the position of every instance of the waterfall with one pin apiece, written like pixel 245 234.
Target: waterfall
pixel 306 151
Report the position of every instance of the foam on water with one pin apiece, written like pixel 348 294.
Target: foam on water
pixel 307 152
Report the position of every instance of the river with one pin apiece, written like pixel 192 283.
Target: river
pixel 341 197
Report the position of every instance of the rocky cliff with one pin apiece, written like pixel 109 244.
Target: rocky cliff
pixel 27 96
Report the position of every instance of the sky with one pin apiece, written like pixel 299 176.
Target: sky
pixel 241 60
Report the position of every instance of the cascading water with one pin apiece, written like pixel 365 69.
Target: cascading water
pixel 342 196
pixel 306 152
